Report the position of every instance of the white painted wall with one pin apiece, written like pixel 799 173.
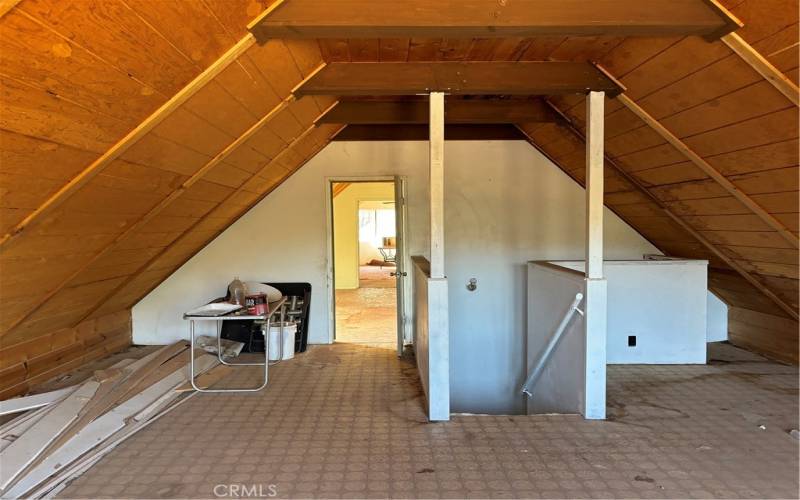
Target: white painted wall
pixel 662 303
pixel 505 204
pixel 717 326
pixel 431 340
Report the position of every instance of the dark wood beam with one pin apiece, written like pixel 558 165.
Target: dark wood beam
pixel 491 18
pixel 485 132
pixel 457 111
pixel 464 78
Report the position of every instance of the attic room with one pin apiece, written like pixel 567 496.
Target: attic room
pixel 376 249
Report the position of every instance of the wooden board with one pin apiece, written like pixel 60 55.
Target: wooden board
pixel 774 336
pixel 475 78
pixel 496 132
pixel 487 18
pixel 393 112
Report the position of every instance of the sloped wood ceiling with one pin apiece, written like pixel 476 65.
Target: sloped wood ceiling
pixel 133 132
pixel 77 78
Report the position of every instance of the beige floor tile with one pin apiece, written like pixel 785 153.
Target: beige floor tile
pixel 346 421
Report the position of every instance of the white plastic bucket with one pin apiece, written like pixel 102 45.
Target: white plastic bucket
pixel 289 331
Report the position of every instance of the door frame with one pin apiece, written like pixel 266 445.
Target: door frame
pixel 407 304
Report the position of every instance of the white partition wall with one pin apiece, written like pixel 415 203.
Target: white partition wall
pixel 657 310
pixel 432 339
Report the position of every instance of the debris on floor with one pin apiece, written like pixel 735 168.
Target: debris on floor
pixel 58 435
pixel 230 348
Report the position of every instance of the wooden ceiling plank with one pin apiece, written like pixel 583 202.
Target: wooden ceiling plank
pixel 6 6
pixel 689 229
pixel 473 78
pixel 710 171
pixel 231 196
pixel 158 208
pixel 759 63
pixel 457 111
pixel 240 213
pixel 489 18
pixel 131 138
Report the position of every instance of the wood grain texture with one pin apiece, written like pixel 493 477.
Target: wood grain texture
pixel 485 18
pixel 473 78
pixel 25 364
pixel 473 111
pixel 773 336
pixel 120 147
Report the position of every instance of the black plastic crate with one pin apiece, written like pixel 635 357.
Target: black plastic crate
pixel 298 307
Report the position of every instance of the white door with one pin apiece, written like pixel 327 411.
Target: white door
pixel 400 271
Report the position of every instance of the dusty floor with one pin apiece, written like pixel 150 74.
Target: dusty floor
pixel 368 315
pixel 347 421
pixel 376 277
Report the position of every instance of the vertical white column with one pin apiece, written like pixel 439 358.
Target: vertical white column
pixel 437 183
pixel 596 286
pixel 594 184
pixel 438 312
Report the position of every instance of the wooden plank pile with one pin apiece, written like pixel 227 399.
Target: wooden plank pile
pixel 60 434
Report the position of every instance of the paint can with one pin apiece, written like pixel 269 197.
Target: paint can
pixel 257 304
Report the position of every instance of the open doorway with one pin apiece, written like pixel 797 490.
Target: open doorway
pixel 367 260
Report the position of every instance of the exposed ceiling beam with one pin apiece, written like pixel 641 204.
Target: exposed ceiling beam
pixel 491 18
pixel 678 220
pixel 156 210
pixel 759 63
pixel 232 196
pixel 97 166
pixel 457 111
pixel 709 170
pixel 421 132
pixel 7 5
pixel 466 78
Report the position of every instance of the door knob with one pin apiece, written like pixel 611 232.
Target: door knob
pixel 398 274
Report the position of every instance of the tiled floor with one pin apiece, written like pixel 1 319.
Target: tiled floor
pixel 376 277
pixel 347 421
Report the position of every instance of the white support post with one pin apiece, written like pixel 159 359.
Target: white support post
pixel 596 286
pixel 438 347
pixel 437 183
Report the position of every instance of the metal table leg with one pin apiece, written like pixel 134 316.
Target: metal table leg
pixel 265 364
pixel 219 356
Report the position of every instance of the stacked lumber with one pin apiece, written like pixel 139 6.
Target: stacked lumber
pixel 58 435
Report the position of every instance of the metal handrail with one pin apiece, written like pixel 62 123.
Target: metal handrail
pixel 551 346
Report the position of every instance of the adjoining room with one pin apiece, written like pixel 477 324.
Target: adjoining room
pixel 365 263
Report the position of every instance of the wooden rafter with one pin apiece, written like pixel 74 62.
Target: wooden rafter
pixel 6 6
pixel 97 166
pixel 759 63
pixel 231 196
pixel 678 220
pixel 457 111
pixel 491 19
pixel 709 170
pixel 420 132
pixel 250 206
pixel 159 208
pixel 474 78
